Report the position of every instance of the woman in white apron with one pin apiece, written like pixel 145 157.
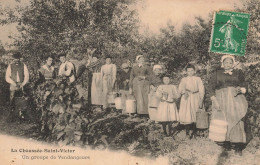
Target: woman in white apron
pixel 153 101
pixel 227 91
pixel 96 90
pixel 108 78
pixel 139 85
pixel 192 90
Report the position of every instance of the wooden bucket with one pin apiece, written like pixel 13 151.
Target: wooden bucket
pixel 202 119
pixel 218 130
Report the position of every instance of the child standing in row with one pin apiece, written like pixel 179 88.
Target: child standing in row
pixel 192 91
pixel 167 111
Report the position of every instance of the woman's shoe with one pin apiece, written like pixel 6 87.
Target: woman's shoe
pixel 227 146
pixel 187 132
pixel 227 149
pixel 238 149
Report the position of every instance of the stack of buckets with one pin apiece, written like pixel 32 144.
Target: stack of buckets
pixel 218 129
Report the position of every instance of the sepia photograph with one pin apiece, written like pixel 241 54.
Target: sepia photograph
pixel 130 82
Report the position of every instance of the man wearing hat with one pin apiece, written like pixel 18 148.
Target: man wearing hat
pixel 17 75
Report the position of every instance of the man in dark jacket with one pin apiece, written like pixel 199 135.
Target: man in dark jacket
pixel 17 75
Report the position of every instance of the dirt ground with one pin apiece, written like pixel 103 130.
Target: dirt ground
pixel 178 149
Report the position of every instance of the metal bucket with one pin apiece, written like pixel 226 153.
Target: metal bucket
pixel 111 97
pixel 119 102
pixel 130 106
pixel 202 119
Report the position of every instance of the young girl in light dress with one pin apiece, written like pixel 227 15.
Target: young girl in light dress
pixel 192 91
pixel 108 78
pixel 167 111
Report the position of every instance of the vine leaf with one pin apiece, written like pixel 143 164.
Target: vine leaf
pixel 60 135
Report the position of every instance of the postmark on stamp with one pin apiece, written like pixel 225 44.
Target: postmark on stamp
pixel 229 33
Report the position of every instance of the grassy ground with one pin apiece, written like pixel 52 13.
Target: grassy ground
pixel 145 139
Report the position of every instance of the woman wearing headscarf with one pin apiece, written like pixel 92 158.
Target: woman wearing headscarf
pixel 153 100
pixel 227 91
pixel 139 84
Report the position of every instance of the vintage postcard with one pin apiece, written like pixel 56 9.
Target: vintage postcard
pixel 129 82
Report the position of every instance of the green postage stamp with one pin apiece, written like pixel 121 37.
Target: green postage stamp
pixel 229 33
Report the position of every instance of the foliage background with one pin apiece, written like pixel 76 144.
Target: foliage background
pixel 111 27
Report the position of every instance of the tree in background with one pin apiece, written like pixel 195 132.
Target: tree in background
pixel 253 39
pixel 180 48
pixel 2 49
pixel 111 27
pixel 73 26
